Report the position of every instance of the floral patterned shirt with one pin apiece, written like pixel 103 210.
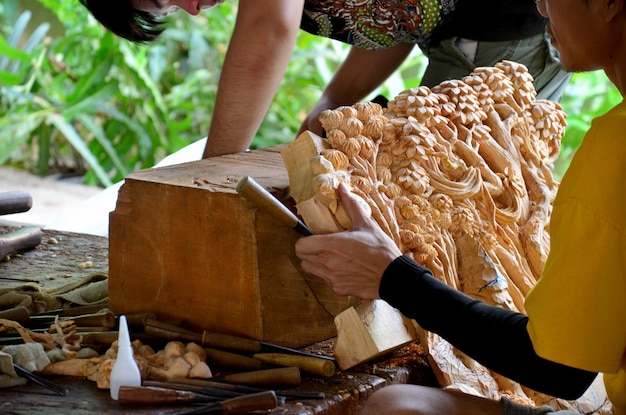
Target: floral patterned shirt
pixel 376 24
pixel 380 24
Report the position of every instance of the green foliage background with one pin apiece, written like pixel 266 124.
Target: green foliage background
pixel 75 99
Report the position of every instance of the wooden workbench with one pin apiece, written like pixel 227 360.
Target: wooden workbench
pixel 56 262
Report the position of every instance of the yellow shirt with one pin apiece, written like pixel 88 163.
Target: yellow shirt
pixel 577 310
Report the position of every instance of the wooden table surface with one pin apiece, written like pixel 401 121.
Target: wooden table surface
pixel 56 262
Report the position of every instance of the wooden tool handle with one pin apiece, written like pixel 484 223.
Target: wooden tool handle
pixel 106 320
pixel 105 338
pixel 247 403
pixel 138 320
pixel 204 383
pixel 264 200
pixel 313 365
pixel 21 240
pixel 229 342
pixel 15 202
pixel 150 395
pixel 231 360
pixel 284 376
pixel 170 331
pixel 206 338
pixel 255 193
pixel 19 314
pixel 204 390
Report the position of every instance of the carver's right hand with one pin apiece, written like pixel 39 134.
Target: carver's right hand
pixel 351 262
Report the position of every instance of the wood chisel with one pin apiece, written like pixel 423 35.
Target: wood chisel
pixel 239 405
pixel 219 340
pixel 258 195
pixel 15 202
pixel 21 240
pixel 154 396
pixel 226 390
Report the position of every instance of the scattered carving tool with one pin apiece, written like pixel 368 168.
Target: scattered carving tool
pixel 19 314
pixel 231 360
pixel 239 405
pixel 284 376
pixel 106 320
pixel 152 395
pixel 58 390
pixel 21 240
pixel 219 392
pixel 258 195
pixel 312 365
pixel 219 340
pixel 226 390
pixel 25 238
pixel 15 202
pixel 149 395
pixel 258 361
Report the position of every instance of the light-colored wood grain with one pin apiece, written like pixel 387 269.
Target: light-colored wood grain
pixel 369 330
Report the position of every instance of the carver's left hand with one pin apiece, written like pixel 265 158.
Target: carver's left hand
pixel 351 262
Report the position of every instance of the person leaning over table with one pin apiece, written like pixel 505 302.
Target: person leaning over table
pixel 575 325
pixel 383 33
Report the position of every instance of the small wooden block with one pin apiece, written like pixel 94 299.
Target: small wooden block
pixel 369 330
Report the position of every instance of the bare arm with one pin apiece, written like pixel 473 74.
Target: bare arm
pixel 362 72
pixel 257 58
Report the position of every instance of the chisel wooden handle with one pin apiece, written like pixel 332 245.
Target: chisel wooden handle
pixel 265 201
pixel 106 320
pixel 313 365
pixel 225 390
pixel 231 360
pixel 206 338
pixel 219 340
pixel 284 376
pixel 19 314
pixel 247 403
pixel 19 241
pixel 150 395
pixel 15 202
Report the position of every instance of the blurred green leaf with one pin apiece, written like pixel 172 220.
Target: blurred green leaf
pixel 77 142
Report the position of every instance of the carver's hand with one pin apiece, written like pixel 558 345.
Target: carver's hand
pixel 351 262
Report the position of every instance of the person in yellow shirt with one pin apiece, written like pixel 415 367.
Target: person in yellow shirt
pixel 575 325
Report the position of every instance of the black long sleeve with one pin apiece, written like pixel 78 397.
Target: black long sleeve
pixel 493 336
pixel 492 21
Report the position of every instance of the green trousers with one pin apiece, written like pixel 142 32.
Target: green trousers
pixel 455 58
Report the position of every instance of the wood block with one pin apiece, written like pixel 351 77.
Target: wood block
pixel 184 245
